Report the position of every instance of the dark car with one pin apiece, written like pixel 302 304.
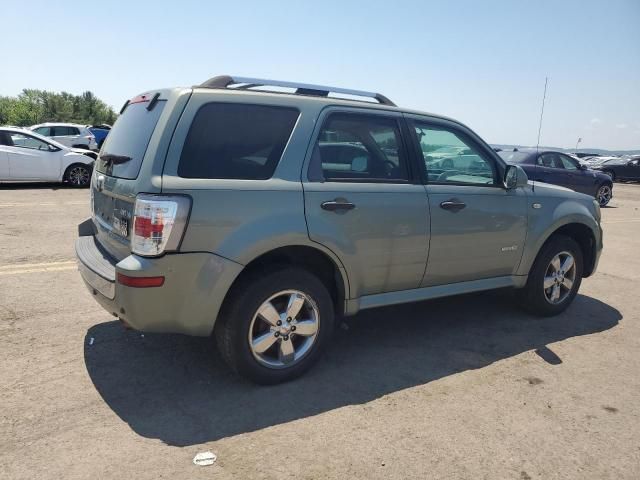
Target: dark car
pixel 561 169
pixel 100 132
pixel 627 168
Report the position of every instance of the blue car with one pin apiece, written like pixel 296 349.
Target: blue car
pixel 560 169
pixel 100 132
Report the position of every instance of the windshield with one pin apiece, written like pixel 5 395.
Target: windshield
pixel 514 157
pixel 123 150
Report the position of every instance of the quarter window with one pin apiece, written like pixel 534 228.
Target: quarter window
pixel 359 148
pixel 450 158
pixel 236 141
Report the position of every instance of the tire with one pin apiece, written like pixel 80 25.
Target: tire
pixel 604 194
pixel 239 322
pixel 611 174
pixel 78 175
pixel 534 297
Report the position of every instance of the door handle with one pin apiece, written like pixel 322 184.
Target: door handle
pixel 453 205
pixel 334 205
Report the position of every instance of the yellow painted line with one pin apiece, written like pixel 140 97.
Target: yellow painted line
pixel 42 204
pixel 622 221
pixel 29 266
pixel 38 270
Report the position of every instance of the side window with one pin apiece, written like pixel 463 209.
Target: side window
pixel 450 158
pixel 567 163
pixel 64 131
pixel 359 148
pixel 26 141
pixel 232 140
pixel 46 131
pixel 550 160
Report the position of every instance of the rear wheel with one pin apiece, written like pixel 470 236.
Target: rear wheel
pixel 604 194
pixel 554 278
pixel 78 175
pixel 273 327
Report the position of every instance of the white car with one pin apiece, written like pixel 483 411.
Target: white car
pixel 69 134
pixel 26 156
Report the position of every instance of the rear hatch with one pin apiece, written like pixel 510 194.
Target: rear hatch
pixel 125 167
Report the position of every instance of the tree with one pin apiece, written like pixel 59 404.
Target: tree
pixel 37 106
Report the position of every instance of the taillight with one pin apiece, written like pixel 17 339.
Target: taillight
pixel 159 222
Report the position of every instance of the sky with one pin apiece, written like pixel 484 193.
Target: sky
pixel 483 63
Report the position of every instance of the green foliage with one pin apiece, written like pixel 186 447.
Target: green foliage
pixel 39 106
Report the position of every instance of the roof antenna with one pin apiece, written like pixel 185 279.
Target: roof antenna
pixel 544 97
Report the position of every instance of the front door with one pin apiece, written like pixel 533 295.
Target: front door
pixel 363 203
pixel 32 159
pixel 477 226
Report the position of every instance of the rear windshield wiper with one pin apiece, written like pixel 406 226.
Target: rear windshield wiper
pixel 111 159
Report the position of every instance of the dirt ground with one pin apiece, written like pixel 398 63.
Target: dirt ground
pixel 466 387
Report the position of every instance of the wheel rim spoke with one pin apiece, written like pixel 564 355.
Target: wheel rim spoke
pixel 568 283
pixel 269 313
pixel 295 305
pixel 549 282
pixel 555 293
pixel 306 328
pixel 555 263
pixel 262 343
pixel 568 263
pixel 287 352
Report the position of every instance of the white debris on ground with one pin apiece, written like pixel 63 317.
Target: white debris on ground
pixel 204 458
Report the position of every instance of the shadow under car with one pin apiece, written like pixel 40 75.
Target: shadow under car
pixel 177 389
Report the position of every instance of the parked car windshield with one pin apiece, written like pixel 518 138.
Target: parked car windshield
pixel 514 157
pixel 126 144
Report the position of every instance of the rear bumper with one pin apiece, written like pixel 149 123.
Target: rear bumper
pixel 188 302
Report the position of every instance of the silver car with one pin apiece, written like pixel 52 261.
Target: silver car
pixel 261 211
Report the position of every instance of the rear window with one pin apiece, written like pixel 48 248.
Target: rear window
pixel 123 149
pixel 236 141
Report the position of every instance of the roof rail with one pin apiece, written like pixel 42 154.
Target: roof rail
pixel 245 83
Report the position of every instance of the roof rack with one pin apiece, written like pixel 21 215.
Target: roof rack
pixel 245 83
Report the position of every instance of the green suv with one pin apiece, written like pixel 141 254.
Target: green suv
pixel 261 211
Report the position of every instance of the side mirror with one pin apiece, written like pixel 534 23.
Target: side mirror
pixel 582 166
pixel 514 177
pixel 359 164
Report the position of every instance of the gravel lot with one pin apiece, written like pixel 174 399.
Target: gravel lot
pixel 466 387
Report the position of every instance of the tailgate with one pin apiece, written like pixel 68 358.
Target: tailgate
pixel 124 168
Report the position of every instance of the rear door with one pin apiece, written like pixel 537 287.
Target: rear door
pixel 65 135
pixel 477 226
pixel 362 200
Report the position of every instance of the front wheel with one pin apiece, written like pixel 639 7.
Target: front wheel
pixel 78 175
pixel 604 194
pixel 273 327
pixel 554 278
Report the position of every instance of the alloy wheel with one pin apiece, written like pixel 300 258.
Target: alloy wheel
pixel 284 329
pixel 559 278
pixel 604 195
pixel 79 176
